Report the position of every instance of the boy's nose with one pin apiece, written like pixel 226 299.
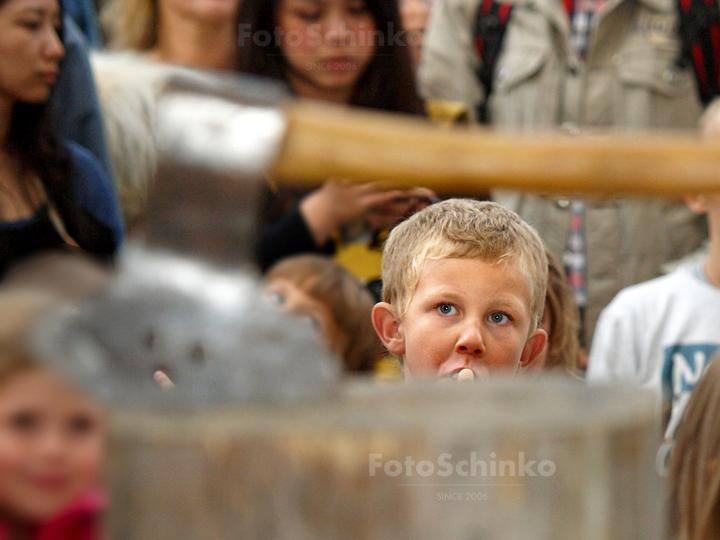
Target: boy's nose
pixel 471 341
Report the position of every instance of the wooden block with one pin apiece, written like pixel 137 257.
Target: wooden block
pixel 304 472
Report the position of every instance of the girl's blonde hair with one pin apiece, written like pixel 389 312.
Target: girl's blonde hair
pixel 130 24
pixel 695 468
pixel 348 301
pixel 563 345
pixel 15 359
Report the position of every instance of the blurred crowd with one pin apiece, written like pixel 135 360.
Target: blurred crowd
pixel 623 289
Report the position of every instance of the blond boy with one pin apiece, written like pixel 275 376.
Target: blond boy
pixel 463 292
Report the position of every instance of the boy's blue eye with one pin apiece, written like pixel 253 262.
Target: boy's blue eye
pixel 498 318
pixel 447 309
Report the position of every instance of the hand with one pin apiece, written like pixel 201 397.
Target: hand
pixel 162 380
pixel 414 14
pixel 409 203
pixel 466 375
pixel 479 373
pixel 339 202
pixel 710 121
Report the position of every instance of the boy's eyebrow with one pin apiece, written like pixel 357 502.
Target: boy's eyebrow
pixel 513 303
pixel 443 291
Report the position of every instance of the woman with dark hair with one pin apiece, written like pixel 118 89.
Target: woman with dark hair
pixel 351 52
pixel 51 194
pixel 348 51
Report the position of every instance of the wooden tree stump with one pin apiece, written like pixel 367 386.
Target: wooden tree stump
pixel 328 470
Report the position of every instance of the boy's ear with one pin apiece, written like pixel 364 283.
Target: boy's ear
pixel 696 202
pixel 389 328
pixel 533 347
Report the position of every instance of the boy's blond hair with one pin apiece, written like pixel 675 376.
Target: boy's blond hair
pixel 462 229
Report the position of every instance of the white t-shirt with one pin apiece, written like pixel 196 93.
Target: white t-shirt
pixel 660 334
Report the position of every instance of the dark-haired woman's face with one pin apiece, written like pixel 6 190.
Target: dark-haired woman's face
pixel 30 49
pixel 327 44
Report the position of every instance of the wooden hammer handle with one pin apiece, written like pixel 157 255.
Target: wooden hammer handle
pixel 326 141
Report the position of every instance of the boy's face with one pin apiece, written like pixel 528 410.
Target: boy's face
pixel 51 445
pixel 466 314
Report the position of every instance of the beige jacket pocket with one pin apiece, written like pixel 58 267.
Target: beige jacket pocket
pixel 517 67
pixel 655 70
pixel 527 89
pixel 652 92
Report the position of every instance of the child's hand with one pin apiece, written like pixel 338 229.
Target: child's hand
pixel 469 375
pixel 414 14
pixel 408 203
pixel 162 380
pixel 710 121
pixel 466 375
pixel 341 201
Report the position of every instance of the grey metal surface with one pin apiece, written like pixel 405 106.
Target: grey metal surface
pixel 187 297
pixel 214 148
pixel 209 330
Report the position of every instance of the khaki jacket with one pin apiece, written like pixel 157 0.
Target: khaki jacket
pixel 630 80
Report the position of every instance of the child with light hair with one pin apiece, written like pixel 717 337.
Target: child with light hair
pixel 52 436
pixel 464 286
pixel 332 301
pixel 561 321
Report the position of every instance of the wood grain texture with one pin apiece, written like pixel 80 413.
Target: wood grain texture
pixel 303 472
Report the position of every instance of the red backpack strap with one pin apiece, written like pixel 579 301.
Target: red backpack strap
pixel 488 32
pixel 700 34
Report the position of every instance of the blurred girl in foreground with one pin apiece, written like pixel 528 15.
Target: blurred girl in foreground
pixel 52 438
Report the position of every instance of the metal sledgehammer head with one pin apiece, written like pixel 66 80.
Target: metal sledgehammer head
pixel 187 297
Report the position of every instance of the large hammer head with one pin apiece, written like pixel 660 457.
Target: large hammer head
pixel 187 297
